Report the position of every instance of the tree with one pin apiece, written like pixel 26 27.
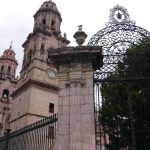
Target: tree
pixel 125 111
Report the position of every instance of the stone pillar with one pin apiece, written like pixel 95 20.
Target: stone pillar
pixel 76 126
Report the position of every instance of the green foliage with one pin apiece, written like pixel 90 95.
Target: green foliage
pixel 117 97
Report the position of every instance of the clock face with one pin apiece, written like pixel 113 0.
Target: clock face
pixel 52 73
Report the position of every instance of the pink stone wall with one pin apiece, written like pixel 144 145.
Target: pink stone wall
pixel 34 104
pixel 76 127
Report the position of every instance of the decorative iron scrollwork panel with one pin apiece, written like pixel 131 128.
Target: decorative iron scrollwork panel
pixel 120 34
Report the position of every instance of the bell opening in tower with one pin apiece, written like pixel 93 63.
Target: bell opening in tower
pixel 44 21
pixel 5 94
pixel 53 24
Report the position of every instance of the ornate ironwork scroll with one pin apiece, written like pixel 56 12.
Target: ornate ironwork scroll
pixel 119 34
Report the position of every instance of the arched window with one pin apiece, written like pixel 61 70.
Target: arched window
pixel 44 21
pixel 42 48
pixel 2 69
pixel 53 24
pixel 5 93
pixel 9 69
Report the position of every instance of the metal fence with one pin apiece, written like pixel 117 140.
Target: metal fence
pixel 38 136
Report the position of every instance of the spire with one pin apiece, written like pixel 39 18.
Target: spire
pixel 10 47
pixel 80 27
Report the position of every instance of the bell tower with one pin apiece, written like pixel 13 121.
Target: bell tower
pixel 48 18
pixel 36 95
pixel 46 34
pixel 8 81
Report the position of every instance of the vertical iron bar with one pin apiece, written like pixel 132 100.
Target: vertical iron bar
pixel 45 138
pixel 7 139
pixel 131 115
pixel 98 116
pixel 94 97
pixel 36 136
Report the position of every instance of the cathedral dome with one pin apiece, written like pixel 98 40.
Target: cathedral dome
pixel 47 19
pixel 9 54
pixel 8 64
pixel 48 5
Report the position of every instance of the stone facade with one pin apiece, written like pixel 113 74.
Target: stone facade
pixel 76 127
pixel 54 78
pixel 37 89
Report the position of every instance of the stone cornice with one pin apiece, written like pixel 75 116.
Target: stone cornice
pixel 34 82
pixel 5 58
pixel 28 70
pixel 63 40
pixel 27 40
pixel 39 30
pixel 75 50
pixel 48 9
pixel 33 59
pixel 11 78
pixel 83 54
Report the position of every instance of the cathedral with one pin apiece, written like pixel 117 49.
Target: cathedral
pixel 34 95
pixel 92 97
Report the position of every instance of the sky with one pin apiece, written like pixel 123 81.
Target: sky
pixel 16 19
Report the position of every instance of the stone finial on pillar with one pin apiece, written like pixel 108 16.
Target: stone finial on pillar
pixel 80 36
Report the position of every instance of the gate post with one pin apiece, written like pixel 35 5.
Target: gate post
pixel 76 125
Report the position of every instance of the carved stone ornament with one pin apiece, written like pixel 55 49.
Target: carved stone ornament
pixel 52 73
pixel 119 34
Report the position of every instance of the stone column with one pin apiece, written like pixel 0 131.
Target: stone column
pixel 76 126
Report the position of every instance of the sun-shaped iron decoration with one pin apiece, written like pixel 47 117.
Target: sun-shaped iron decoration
pixel 118 35
pixel 120 32
pixel 119 15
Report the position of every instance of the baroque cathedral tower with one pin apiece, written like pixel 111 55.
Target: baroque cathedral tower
pixel 36 95
pixel 8 81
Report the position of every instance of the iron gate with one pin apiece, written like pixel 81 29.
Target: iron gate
pixel 123 117
pixel 122 85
